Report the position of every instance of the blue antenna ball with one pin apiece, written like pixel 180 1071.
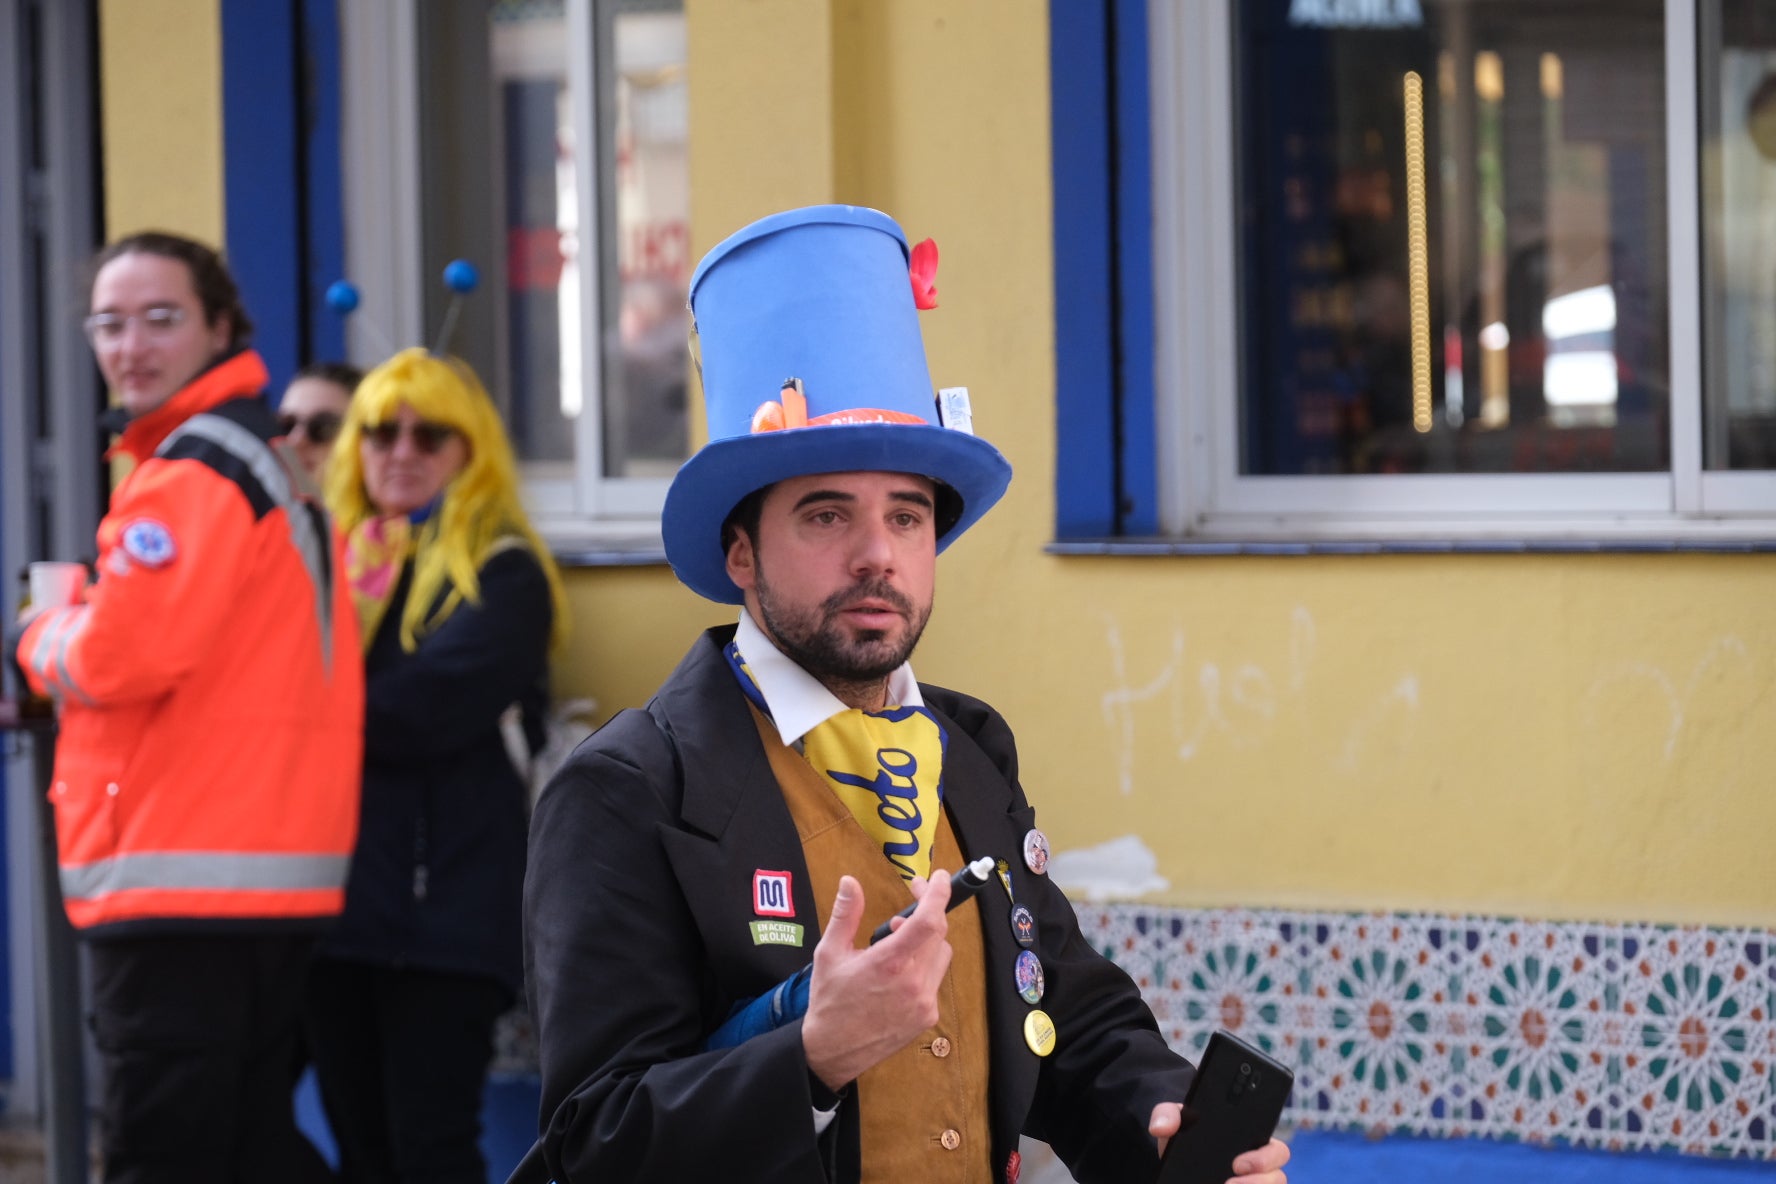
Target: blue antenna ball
pixel 460 276
pixel 342 297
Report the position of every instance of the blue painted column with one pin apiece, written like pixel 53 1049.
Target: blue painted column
pixel 1106 481
pixel 1085 435
pixel 262 174
pixel 323 190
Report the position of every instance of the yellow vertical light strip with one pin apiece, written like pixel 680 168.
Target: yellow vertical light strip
pixel 1418 274
pixel 1553 76
pixel 1489 167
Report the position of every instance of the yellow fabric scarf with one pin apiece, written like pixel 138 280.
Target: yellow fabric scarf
pixel 375 549
pixel 886 766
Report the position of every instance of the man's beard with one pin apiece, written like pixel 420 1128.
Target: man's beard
pixel 815 641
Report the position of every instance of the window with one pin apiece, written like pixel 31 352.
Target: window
pixel 1738 119
pixel 551 151
pixel 1431 267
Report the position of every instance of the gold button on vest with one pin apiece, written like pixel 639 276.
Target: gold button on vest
pixel 929 1099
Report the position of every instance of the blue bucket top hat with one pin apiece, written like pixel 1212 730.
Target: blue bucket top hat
pixel 812 304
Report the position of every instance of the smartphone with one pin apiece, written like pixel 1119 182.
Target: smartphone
pixel 1232 1107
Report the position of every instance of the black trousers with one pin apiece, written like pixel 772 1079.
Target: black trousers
pixel 401 1057
pixel 196 1035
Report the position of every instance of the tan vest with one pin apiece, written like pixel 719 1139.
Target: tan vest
pixel 924 1109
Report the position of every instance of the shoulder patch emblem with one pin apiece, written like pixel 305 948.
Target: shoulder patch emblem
pixel 149 543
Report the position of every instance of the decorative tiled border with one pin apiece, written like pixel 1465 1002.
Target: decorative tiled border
pixel 1622 1037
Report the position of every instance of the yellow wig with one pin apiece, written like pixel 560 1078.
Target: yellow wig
pixel 480 506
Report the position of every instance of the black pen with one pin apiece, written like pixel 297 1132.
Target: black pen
pixel 963 886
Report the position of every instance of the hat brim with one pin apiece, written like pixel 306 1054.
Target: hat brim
pixel 710 484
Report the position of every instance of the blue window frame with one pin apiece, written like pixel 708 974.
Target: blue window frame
pixel 281 184
pixel 1158 395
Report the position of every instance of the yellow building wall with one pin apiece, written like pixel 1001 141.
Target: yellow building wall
pixel 1552 736
pixel 160 65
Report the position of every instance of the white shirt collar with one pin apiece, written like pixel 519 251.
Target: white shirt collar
pixel 797 701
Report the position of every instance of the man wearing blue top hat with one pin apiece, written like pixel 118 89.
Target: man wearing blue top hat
pixel 791 787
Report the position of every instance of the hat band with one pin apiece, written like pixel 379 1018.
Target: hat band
pixel 792 412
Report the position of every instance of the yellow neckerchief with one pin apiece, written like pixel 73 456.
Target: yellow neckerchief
pixel 886 766
pixel 375 549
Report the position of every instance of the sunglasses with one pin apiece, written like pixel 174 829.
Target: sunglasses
pixel 321 428
pixel 428 437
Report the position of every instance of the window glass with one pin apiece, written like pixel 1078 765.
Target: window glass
pixel 646 363
pixel 507 174
pixel 540 279
pixel 1452 236
pixel 1738 102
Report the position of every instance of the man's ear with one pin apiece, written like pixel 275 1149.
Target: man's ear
pixel 742 561
pixel 221 333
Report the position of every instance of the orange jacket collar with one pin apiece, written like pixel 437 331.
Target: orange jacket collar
pixel 242 374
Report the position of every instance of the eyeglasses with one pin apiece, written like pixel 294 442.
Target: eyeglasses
pixel 428 437
pixel 321 428
pixel 106 328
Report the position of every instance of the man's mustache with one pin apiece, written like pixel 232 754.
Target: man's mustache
pixel 868 590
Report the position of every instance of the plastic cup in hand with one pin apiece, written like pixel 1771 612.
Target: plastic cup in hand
pixel 54 584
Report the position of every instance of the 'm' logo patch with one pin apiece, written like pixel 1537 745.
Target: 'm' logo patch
pixel 770 894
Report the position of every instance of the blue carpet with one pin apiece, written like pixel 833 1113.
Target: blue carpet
pixel 508 1122
pixel 311 1122
pixel 509 1110
pixel 1327 1157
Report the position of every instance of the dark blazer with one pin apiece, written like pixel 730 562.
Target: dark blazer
pixel 438 872
pixel 638 902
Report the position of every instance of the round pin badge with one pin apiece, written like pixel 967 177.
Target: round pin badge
pixel 1030 983
pixel 1036 852
pixel 1039 1032
pixel 1023 926
pixel 149 542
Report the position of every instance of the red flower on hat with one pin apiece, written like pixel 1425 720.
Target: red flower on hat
pixel 923 270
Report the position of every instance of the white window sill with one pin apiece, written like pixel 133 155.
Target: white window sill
pixel 1731 539
pixel 612 543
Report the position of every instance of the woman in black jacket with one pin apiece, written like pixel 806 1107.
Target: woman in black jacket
pixel 460 605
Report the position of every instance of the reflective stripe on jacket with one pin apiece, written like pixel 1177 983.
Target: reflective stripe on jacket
pixel 211 687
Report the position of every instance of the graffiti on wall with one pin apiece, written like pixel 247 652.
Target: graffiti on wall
pixel 1200 701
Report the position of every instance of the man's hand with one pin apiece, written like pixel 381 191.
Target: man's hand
pixel 864 1005
pixel 1263 1166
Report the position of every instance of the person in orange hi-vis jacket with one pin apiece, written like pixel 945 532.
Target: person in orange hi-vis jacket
pixel 207 769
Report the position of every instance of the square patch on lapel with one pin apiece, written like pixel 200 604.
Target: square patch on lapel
pixel 771 894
